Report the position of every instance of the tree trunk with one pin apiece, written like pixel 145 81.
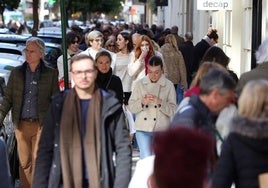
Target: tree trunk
pixel 2 16
pixel 35 17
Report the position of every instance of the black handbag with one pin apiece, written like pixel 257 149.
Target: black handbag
pixel 13 157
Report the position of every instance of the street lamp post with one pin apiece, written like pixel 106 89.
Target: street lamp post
pixel 64 45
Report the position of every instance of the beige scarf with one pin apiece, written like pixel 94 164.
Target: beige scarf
pixel 70 141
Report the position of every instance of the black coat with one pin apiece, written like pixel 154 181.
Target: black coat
pixel 199 51
pixel 110 82
pixel 244 154
pixel 195 114
pixel 114 139
pixel 187 50
pixel 4 172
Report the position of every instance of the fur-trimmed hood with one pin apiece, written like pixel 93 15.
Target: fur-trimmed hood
pixel 252 128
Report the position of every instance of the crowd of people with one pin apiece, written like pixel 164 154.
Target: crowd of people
pixel 190 112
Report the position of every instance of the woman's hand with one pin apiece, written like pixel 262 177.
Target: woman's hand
pixel 144 52
pixel 152 99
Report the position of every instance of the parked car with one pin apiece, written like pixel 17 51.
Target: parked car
pixel 11 55
pixel 19 40
pixel 53 51
pixel 51 34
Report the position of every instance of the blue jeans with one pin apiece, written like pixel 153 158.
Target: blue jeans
pixel 144 140
pixel 179 92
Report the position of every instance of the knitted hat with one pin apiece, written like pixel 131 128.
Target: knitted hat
pixel 181 158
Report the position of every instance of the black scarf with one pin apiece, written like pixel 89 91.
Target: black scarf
pixel 104 79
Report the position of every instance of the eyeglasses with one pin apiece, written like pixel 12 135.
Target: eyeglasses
pixel 76 41
pixel 98 40
pixel 82 73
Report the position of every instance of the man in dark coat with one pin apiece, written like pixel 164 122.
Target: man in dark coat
pixel 83 130
pixel 28 95
pixel 260 72
pixel 216 92
pixel 187 50
pixel 201 47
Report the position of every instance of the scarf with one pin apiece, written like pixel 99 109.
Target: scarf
pixel 104 79
pixel 71 137
pixel 146 64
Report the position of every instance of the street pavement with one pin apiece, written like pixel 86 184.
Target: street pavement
pixel 135 158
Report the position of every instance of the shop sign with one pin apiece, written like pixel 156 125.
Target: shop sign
pixel 214 5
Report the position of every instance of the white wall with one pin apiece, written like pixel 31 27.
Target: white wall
pixel 234 27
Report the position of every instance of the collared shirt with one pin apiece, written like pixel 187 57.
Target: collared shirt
pixel 30 102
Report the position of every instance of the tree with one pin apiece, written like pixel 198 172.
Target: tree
pixel 87 7
pixel 35 17
pixel 8 4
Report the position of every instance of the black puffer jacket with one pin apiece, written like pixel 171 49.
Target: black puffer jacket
pixel 196 115
pixel 244 154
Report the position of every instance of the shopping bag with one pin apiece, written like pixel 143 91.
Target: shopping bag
pixel 13 159
pixel 129 120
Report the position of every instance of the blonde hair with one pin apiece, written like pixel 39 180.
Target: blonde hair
pixel 204 68
pixel 93 35
pixel 253 101
pixel 170 38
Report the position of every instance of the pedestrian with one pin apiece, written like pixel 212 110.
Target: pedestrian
pixel 95 41
pixel 110 45
pixel 210 39
pixel 106 79
pixel 121 63
pixel 153 101
pixel 73 41
pixel 260 72
pixel 180 160
pixel 244 153
pixel 187 50
pixel 216 54
pixel 138 65
pixel 28 94
pixel 174 31
pixel 216 92
pixel 181 157
pixel 175 66
pixel 83 131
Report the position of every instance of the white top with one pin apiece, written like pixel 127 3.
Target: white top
pixel 120 70
pixel 144 168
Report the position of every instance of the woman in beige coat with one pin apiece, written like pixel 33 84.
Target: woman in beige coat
pixel 175 66
pixel 153 100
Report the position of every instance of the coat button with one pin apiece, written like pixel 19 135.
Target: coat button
pixel 146 106
pixel 154 119
pixel 145 118
pixel 155 106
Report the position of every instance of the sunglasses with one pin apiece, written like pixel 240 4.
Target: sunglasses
pixel 76 41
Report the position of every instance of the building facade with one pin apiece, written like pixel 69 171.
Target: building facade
pixel 241 29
